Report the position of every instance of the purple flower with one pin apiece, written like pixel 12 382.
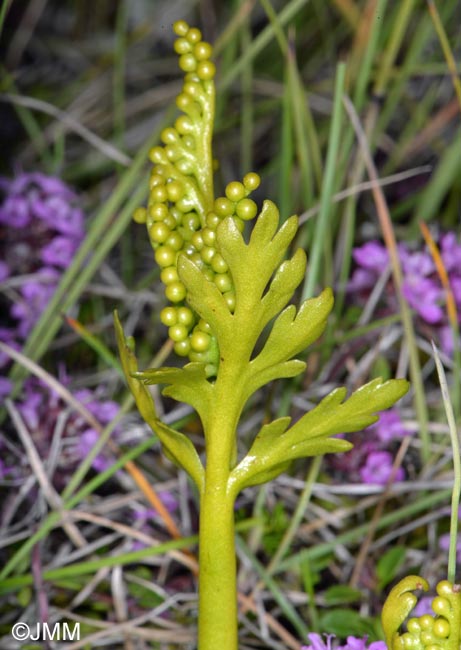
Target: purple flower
pixel 36 196
pixel 417 263
pixel 372 259
pixel 56 212
pixel 42 229
pixel 455 284
pixel 4 470
pixel 15 212
pixel 87 441
pixel 169 501
pixel 59 252
pixel 7 336
pixel 423 606
pixel 104 410
pixel 378 468
pixel 377 645
pixel 4 271
pixel 446 339
pixel 451 252
pixel 444 545
pixel 360 643
pixel 44 413
pixel 423 295
pixel 5 387
pixel 52 185
pixel 353 643
pixel 318 643
pixel 389 426
pixel 361 280
pixel 36 295
pixel 372 256
pixel 421 285
pixel 30 408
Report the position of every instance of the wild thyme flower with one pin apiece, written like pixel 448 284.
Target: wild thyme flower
pixel 444 545
pixel 4 271
pixel 143 518
pixel 104 411
pixel 145 515
pixel 421 284
pixel 46 416
pixel 5 387
pixel 31 196
pixel 41 227
pixel 378 467
pixel 59 252
pixel 35 294
pixel 389 426
pixel 370 460
pixel 352 643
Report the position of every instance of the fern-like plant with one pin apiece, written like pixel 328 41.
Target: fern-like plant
pixel 224 292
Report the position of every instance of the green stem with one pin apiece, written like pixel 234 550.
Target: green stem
pixel 217 626
pixel 396 39
pixel 321 228
pixel 455 495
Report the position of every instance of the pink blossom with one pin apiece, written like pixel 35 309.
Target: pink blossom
pixel 352 643
pixel 378 468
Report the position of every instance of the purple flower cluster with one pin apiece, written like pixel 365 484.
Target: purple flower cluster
pixel 144 518
pixel 421 286
pixel 352 643
pixel 47 417
pixel 41 227
pixel 370 460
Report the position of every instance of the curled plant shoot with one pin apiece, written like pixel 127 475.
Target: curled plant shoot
pixel 441 630
pixel 223 292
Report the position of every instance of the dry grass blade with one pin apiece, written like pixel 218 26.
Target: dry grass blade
pixel 444 42
pixel 452 311
pixel 350 11
pixel 119 600
pixel 248 604
pixel 36 464
pixel 42 596
pixel 361 557
pixel 391 245
pixel 107 149
pixel 132 533
pixel 131 467
pixel 365 186
pixel 166 631
pixel 432 130
pixel 85 593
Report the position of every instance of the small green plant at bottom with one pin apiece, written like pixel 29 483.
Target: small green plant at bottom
pixel 442 629
pixel 225 292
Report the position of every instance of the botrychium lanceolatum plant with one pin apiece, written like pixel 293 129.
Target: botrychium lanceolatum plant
pixel 224 291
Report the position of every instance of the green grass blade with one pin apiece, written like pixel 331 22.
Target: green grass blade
pixel 455 496
pixel 321 228
pixel 285 605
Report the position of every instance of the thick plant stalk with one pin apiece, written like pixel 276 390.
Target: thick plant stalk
pixel 217 627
